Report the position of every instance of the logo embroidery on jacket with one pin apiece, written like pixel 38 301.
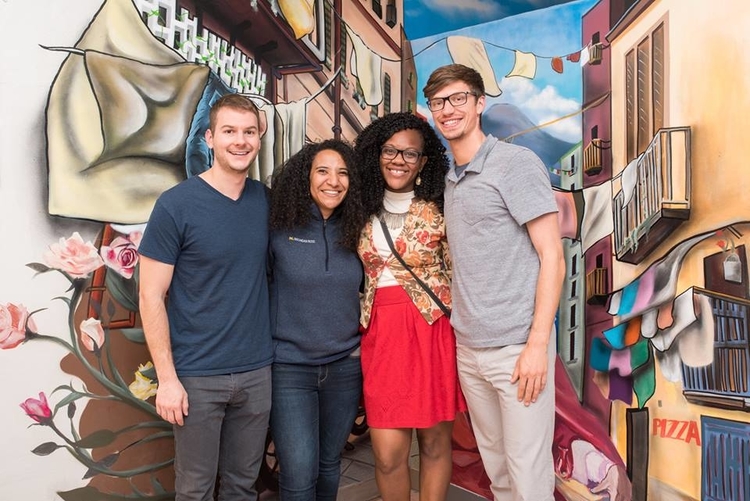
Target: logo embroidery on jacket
pixel 302 240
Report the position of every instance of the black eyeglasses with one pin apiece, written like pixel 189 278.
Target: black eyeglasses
pixel 409 156
pixel 456 99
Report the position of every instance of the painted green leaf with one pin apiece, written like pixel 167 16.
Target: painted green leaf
pixel 70 397
pixel 111 308
pixel 45 449
pixel 149 373
pixel 99 438
pixel 134 335
pixel 65 299
pixel 71 410
pixel 124 291
pixel 158 488
pixel 103 464
pixel 39 267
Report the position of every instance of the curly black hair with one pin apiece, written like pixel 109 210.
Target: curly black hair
pixel 367 155
pixel 291 199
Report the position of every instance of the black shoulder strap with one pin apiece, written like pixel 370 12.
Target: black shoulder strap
pixel 429 292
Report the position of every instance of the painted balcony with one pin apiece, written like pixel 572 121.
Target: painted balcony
pixel 595 54
pixel 660 198
pixel 597 286
pixel 257 27
pixel 726 382
pixel 592 157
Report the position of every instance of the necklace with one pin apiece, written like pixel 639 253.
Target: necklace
pixel 393 220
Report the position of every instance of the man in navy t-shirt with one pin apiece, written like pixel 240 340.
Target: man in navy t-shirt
pixel 205 245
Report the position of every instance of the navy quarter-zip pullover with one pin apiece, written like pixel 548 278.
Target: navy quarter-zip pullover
pixel 314 285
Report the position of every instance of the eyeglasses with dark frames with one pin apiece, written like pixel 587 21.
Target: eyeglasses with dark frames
pixel 410 156
pixel 456 99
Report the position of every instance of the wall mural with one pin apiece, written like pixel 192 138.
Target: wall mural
pixel 652 328
pixel 637 107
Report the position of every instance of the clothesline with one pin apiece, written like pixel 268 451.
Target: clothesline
pixel 593 104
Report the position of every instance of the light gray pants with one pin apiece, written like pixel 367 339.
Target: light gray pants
pixel 225 432
pixel 515 441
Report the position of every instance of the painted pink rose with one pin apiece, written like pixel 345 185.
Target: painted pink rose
pixel 13 322
pixel 92 334
pixel 121 255
pixel 73 256
pixel 136 237
pixel 38 410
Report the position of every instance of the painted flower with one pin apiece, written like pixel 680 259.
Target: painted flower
pixel 38 410
pixel 73 256
pixel 136 237
pixel 14 320
pixel 121 255
pixel 143 387
pixel 133 231
pixel 92 334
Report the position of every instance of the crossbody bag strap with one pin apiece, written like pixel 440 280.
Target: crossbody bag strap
pixel 429 291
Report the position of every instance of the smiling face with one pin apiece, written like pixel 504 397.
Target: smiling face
pixel 399 175
pixel 329 181
pixel 457 122
pixel 235 140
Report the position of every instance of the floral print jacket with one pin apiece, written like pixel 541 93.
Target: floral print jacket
pixel 423 245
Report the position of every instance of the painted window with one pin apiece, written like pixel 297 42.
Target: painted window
pixel 726 462
pixel 572 352
pixel 386 93
pixel 390 13
pixel 645 86
pixel 726 382
pixel 328 23
pixel 342 53
pixel 573 322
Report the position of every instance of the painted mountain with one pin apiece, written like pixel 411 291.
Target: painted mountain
pixel 503 120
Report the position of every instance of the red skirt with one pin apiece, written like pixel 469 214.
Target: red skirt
pixel 408 365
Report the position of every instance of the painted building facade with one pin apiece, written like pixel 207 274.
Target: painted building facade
pixel 679 112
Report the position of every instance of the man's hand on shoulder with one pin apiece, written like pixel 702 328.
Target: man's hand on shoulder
pixel 172 401
pixel 530 372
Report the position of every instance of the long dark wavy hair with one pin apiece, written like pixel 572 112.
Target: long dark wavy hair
pixel 291 199
pixel 367 155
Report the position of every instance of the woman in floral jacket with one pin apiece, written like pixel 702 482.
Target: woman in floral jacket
pixel 408 345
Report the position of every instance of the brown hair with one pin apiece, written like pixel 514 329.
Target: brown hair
pixel 234 101
pixel 446 75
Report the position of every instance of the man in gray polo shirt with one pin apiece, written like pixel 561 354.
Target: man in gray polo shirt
pixel 508 269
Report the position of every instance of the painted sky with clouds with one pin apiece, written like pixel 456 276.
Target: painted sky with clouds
pixel 428 17
pixel 547 32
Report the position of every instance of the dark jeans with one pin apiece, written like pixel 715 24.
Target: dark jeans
pixel 312 414
pixel 224 431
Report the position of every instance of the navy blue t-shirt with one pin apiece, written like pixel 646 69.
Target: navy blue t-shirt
pixel 218 301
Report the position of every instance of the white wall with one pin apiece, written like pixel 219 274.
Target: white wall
pixel 26 75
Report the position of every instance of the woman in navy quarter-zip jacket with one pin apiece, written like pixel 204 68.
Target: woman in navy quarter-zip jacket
pixel 315 278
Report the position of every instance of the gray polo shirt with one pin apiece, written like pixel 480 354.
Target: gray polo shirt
pixel 495 266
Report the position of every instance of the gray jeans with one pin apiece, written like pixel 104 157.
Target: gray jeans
pixel 224 432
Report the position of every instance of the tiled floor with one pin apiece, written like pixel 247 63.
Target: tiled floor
pixel 358 475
